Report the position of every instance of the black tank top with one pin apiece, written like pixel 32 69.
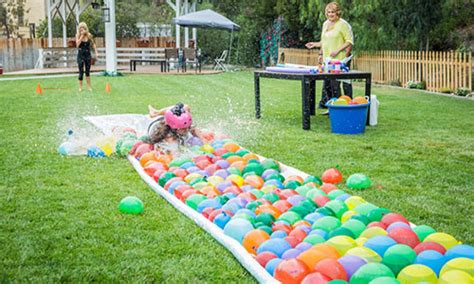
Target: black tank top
pixel 85 48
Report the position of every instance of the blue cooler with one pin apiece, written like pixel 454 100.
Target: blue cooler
pixel 348 119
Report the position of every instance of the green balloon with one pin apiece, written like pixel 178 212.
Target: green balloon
pixel 177 162
pixel 358 181
pixel 361 218
pixel 197 180
pixel 398 256
pixel 423 231
pixel 275 176
pixel 369 272
pixel 131 205
pixel 335 193
pixel 222 199
pixel 125 147
pixel 144 138
pixel 129 136
pixel 253 167
pixel 377 214
pixel 338 207
pixel 253 161
pixel 356 226
pixel 234 171
pixel 252 205
pixel 194 199
pixel 165 177
pixel 257 193
pixel 270 164
pixel 292 184
pixel 384 280
pixel 265 218
pixel 327 223
pixel 337 281
pixel 309 204
pixel 266 229
pixel 315 192
pixel 242 152
pixel 300 210
pixel 365 208
pixel 313 179
pixel 341 231
pixel 290 217
pixel 272 197
pixel 324 211
pixel 244 216
pixel 228 154
pixel 314 239
pixel 302 190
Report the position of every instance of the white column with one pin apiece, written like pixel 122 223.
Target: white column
pixel 110 40
pixel 178 32
pixel 78 14
pixel 63 16
pixel 195 38
pixel 186 29
pixel 50 24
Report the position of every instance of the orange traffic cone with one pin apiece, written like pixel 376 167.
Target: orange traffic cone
pixel 107 88
pixel 39 91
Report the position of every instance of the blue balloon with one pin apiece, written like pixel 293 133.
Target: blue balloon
pixel 278 235
pixel 187 165
pixel 466 251
pixel 237 229
pixel 343 197
pixel 380 244
pixel 221 220
pixel 320 232
pixel 276 246
pixel 95 152
pixel 432 259
pixel 214 203
pixel 274 182
pixel 232 207
pixel 246 211
pixel 174 185
pixel 272 265
pixel 291 253
pixel 311 218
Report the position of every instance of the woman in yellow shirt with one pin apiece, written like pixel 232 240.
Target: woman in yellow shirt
pixel 336 43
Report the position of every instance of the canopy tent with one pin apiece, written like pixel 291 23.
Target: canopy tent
pixel 208 19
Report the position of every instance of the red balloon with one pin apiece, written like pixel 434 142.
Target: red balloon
pixel 332 175
pixel 188 193
pixel 202 164
pixel 376 224
pixel 157 174
pixel 282 205
pixel 234 189
pixel 298 234
pixel 392 218
pixel 171 180
pixel 180 189
pixel 316 278
pixel 264 257
pixel 220 151
pixel 153 167
pixel 281 227
pixel 288 192
pixel 328 187
pixel 207 211
pixel 430 246
pixel 321 200
pixel 404 236
pixel 141 149
pixel 293 241
pixel 291 271
pixel 331 268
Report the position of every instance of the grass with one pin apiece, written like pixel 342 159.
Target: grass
pixel 59 218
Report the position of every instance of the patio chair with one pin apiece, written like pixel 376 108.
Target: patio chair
pixel 192 56
pixel 172 56
pixel 219 62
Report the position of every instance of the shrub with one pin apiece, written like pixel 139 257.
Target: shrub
pixel 463 92
pixel 416 85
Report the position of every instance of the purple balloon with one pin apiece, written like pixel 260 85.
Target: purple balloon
pixel 242 202
pixel 223 185
pixel 223 164
pixel 291 253
pixel 222 173
pixel 247 188
pixel 295 199
pixel 203 173
pixel 193 169
pixel 193 141
pixel 351 263
pixel 397 225
pixel 269 172
pixel 307 229
pixel 303 246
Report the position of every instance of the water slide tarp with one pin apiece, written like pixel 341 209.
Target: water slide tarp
pixel 206 19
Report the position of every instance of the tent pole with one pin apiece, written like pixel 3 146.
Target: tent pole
pixel 230 45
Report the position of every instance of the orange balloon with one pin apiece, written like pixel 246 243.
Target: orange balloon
pixel 298 234
pixel 331 268
pixel 291 271
pixel 328 187
pixel 300 223
pixel 238 164
pixel 297 178
pixel 248 196
pixel 346 98
pixel 254 180
pixel 268 209
pixel 152 166
pixel 317 253
pixel 254 239
pixel 149 156
pixel 250 156
pixel 282 205
pixel 360 100
pixel 165 159
pixel 231 147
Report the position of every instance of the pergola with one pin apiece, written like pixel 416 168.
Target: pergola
pixel 64 8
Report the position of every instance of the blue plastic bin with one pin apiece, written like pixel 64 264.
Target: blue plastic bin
pixel 348 119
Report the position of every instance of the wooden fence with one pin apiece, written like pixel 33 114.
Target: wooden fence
pixel 440 70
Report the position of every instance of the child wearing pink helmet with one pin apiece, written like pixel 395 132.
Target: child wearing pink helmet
pixel 171 124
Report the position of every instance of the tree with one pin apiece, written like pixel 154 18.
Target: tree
pixel 12 13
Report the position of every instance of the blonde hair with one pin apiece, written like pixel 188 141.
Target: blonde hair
pixel 336 7
pixel 84 26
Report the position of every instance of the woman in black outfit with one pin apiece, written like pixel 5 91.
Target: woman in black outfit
pixel 84 42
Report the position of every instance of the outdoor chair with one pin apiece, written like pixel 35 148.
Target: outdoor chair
pixel 219 62
pixel 172 55
pixel 192 56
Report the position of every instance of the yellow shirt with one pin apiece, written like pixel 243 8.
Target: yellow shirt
pixel 333 39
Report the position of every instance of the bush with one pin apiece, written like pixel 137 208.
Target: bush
pixel 416 85
pixel 463 92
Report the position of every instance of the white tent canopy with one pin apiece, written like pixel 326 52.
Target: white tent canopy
pixel 206 19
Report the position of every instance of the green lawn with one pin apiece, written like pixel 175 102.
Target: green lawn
pixel 59 218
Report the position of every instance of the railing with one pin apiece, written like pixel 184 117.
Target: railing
pixel 298 56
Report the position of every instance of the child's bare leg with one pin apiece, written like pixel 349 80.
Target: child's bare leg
pixel 80 85
pixel 88 80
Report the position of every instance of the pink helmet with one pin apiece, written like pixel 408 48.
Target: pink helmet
pixel 177 117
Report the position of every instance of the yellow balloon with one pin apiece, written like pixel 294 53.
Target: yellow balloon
pixel 207 148
pixel 455 276
pixel 446 240
pixel 200 185
pixel 342 243
pixel 107 145
pixel 215 180
pixel 361 241
pixel 417 273
pixel 461 263
pixel 347 215
pixel 238 180
pixel 268 188
pixel 373 232
pixel 189 178
pixel 366 253
pixel 354 201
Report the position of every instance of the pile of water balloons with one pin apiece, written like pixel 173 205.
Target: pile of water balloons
pixel 306 230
